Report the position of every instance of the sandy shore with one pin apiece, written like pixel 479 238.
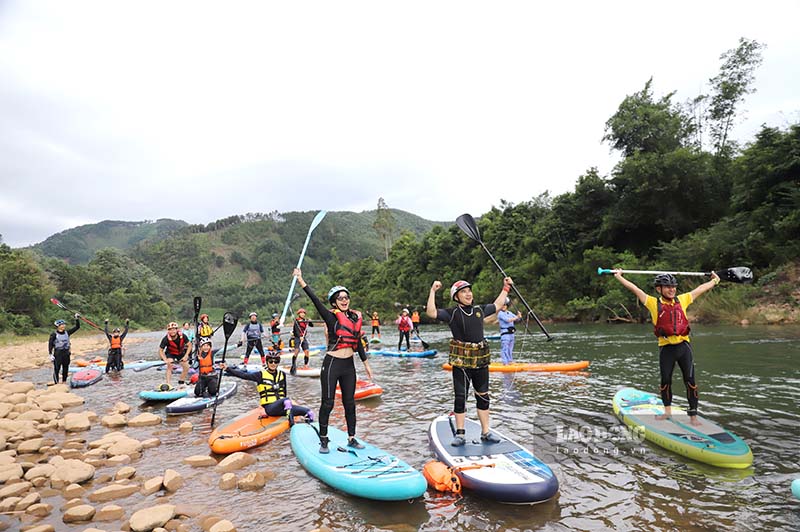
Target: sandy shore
pixel 33 354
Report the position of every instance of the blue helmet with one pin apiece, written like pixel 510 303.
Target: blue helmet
pixel 335 290
pixel 59 322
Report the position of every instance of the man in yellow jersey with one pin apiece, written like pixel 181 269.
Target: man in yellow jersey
pixel 671 327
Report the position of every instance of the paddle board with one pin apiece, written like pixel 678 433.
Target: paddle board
pixel 155 395
pixel 504 471
pixel 190 403
pixel 532 366
pixel 85 377
pixel 429 353
pixel 370 473
pixel 364 390
pixel 708 443
pixel 246 431
pixel 302 371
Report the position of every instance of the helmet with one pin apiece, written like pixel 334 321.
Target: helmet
pixel 116 330
pixel 274 314
pixel 335 290
pixel 665 279
pixel 203 316
pixel 254 314
pixel 405 310
pixel 59 322
pixel 507 301
pixel 172 325
pixel 301 311
pixel 458 285
pixel 204 341
pixel 271 355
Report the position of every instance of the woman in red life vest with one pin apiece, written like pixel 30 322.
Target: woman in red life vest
pixel 344 340
pixel 671 327
pixel 404 325
pixel 114 361
pixel 175 347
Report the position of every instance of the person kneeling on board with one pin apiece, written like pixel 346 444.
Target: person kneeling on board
pixel 207 379
pixel 271 386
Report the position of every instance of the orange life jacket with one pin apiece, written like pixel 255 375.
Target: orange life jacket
pixel 205 363
pixel 116 342
pixel 415 317
pixel 441 477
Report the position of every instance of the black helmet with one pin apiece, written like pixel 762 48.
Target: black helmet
pixel 665 279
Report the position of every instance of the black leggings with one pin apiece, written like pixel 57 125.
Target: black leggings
pixel 681 353
pixel 278 408
pixel 250 345
pixel 61 365
pixel 342 371
pixel 406 335
pixel 114 361
pixel 206 383
pixel 480 380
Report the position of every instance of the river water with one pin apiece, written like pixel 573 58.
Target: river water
pixel 749 382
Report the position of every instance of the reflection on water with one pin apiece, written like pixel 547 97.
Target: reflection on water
pixel 749 382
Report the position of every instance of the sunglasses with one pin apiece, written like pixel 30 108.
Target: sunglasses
pixel 272 361
pixel 172 329
pixel 343 298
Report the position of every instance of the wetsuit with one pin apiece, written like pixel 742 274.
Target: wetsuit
pixel 506 319
pixel 59 347
pixel 253 333
pixel 672 349
pixel 299 330
pixel 466 325
pixel 114 361
pixel 272 393
pixel 404 325
pixel 337 370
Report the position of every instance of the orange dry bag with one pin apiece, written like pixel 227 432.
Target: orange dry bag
pixel 441 477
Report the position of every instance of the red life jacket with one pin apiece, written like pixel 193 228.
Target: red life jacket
pixel 671 320
pixel 405 324
pixel 175 348
pixel 302 325
pixel 346 332
pixel 116 342
pixel 205 363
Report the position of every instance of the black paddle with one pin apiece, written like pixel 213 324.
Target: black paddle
pixel 467 224
pixel 197 302
pixel 425 345
pixel 228 326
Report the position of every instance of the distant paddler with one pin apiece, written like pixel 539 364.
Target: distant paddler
pixel 299 340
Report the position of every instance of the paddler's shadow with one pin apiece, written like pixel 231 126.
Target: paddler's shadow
pixel 399 516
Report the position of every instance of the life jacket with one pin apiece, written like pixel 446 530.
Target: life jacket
pixel 346 331
pixel 671 320
pixel 415 317
pixel 405 324
pixel 205 330
pixel 116 342
pixel 302 325
pixel 253 332
pixel 175 347
pixel 205 363
pixel 376 322
pixel 268 389
pixel 62 341
pixel 274 325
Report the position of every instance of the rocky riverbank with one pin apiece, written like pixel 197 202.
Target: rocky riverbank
pixel 52 478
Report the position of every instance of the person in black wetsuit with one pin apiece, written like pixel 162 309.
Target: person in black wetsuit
pixel 299 330
pixel 59 347
pixel 469 351
pixel 114 361
pixel 344 339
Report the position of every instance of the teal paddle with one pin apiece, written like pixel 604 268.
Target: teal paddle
pixel 739 274
pixel 314 223
pixel 228 326
pixel 466 223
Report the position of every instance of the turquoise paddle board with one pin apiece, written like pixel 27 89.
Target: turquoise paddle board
pixel 370 473
pixel 428 353
pixel 155 395
pixel 708 443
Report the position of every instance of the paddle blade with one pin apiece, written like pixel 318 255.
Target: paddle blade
pixel 466 223
pixel 740 274
pixel 317 219
pixel 198 301
pixel 228 324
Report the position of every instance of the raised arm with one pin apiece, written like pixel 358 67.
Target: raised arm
pixel 640 294
pixel 430 308
pixel 501 297
pixel 705 287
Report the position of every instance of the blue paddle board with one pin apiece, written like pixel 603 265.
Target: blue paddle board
pixel 370 473
pixel 708 443
pixel 190 403
pixel 406 354
pixel 504 471
pixel 155 395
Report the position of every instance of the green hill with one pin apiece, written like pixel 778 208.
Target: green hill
pixel 79 244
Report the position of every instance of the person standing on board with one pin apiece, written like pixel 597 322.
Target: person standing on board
pixel 415 321
pixel 59 347
pixel 344 340
pixel 671 327
pixel 404 325
pixel 469 351
pixel 376 325
pixel 506 319
pixel 251 333
pixel 114 361
pixel 299 331
pixel 175 347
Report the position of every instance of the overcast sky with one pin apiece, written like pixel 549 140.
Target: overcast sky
pixel 196 111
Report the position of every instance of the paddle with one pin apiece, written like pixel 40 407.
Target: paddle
pixel 59 304
pixel 197 304
pixel 466 223
pixel 314 223
pixel 228 326
pixel 425 345
pixel 739 274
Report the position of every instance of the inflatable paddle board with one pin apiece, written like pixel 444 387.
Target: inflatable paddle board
pixel 156 395
pixel 303 371
pixel 364 390
pixel 708 443
pixel 190 403
pixel 370 473
pixel 246 431
pixel 505 471
pixel 532 366
pixel 393 353
pixel 85 377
